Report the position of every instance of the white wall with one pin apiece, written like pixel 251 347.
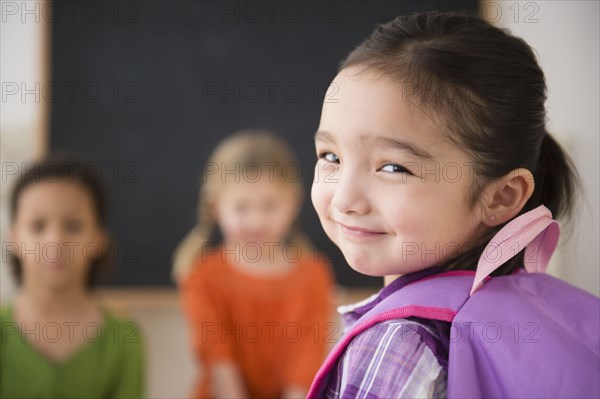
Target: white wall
pixel 565 36
pixel 23 118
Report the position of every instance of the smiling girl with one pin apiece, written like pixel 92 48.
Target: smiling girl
pixel 436 141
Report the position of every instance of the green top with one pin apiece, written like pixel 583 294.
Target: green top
pixel 108 365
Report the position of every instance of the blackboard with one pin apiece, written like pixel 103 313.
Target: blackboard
pixel 146 89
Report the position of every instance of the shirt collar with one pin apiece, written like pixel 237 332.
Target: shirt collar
pixel 353 312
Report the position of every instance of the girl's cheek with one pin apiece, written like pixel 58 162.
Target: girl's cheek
pixel 317 201
pixel 407 227
pixel 321 193
pixel 228 227
pixel 406 212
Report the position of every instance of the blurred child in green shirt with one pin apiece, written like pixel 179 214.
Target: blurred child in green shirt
pixel 55 339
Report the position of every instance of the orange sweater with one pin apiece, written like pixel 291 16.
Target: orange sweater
pixel 274 328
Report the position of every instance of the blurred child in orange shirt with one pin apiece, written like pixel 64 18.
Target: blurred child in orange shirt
pixel 259 301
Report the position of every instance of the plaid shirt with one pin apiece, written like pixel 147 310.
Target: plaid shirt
pixel 403 358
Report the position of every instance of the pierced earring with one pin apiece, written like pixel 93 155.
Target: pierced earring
pixel 493 218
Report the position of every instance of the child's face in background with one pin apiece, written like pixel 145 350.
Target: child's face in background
pixel 256 212
pixel 57 233
pixel 413 207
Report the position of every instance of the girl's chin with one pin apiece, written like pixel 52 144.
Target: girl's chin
pixel 366 267
pixel 58 280
pixel 374 267
pixel 56 285
pixel 368 272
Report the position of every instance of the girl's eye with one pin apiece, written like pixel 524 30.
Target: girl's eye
pixel 38 225
pixel 394 168
pixel 329 157
pixel 74 226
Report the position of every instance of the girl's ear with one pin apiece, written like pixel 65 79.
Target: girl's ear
pixel 506 196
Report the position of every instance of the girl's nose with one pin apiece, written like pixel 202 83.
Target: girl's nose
pixel 349 196
pixel 55 235
pixel 255 221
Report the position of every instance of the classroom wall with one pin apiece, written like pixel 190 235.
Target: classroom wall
pixel 158 84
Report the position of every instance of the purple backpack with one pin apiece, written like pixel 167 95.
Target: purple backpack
pixel 527 335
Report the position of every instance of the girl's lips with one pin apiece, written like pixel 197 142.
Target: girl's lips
pixel 360 232
pixel 55 265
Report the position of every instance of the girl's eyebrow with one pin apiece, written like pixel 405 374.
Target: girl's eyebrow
pixel 382 141
pixel 322 135
pixel 400 145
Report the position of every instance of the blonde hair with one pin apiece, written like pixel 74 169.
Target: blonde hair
pixel 251 147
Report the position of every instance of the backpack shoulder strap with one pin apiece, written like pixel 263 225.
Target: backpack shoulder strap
pixel 437 297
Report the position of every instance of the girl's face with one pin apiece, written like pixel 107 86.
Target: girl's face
pixel 256 212
pixel 57 234
pixel 389 192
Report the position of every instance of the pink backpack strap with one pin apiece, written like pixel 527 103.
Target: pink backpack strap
pixel 535 230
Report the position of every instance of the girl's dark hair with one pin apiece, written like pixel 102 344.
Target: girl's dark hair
pixel 60 168
pixel 487 90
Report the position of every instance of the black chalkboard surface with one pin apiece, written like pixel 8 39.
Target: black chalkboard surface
pixel 145 89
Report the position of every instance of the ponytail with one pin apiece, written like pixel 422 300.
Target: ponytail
pixel 556 184
pixel 186 253
pixel 190 248
pixel 556 180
